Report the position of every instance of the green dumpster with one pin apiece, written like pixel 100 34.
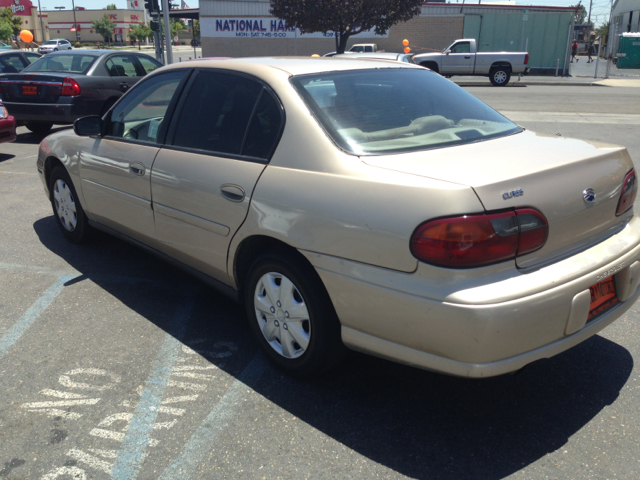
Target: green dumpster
pixel 629 51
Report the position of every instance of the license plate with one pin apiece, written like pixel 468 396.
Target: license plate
pixel 603 297
pixel 29 90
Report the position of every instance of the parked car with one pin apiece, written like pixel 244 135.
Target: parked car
pixel 462 58
pixel 4 46
pixel 377 207
pixel 7 126
pixel 64 86
pixel 54 45
pixel 16 60
pixel 395 57
pixel 364 47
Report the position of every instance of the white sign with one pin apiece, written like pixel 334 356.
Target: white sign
pixel 525 18
pixel 262 27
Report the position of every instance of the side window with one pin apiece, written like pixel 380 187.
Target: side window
pixel 141 114
pixel 13 63
pixel 149 64
pixel 31 57
pixel 121 66
pixel 216 113
pixel 264 128
pixel 462 47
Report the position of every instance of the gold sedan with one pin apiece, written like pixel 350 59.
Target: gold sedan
pixel 362 204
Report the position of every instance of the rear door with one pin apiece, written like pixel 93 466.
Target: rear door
pixel 124 71
pixel 12 63
pixel 116 168
pixel 218 145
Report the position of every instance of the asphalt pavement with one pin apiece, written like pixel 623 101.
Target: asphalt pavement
pixel 114 364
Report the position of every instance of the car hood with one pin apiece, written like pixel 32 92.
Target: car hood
pixel 552 172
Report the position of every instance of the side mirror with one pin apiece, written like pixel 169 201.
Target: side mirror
pixel 447 52
pixel 87 126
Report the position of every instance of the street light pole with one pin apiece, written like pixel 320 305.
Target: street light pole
pixel 75 24
pixel 40 15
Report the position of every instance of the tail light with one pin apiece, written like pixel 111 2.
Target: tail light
pixel 629 192
pixel 526 59
pixel 70 87
pixel 475 240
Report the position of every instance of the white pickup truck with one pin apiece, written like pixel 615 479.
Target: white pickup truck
pixel 462 58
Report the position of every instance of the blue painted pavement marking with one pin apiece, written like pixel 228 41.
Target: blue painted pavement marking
pixel 207 434
pixel 134 446
pixel 30 316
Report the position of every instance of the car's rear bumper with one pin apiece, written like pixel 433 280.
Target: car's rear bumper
pixel 58 113
pixel 390 314
pixel 7 129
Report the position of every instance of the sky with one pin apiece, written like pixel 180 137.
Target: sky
pixel 600 9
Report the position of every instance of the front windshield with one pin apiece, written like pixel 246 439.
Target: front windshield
pixel 382 111
pixel 50 42
pixel 62 63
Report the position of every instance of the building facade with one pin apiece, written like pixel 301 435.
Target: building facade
pixel 625 17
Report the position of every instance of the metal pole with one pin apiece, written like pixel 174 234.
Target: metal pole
pixel 167 30
pixel 295 52
pixel 610 42
pixel 589 20
pixel 40 15
pixel 566 53
pixel 557 66
pixel 75 23
pixel 595 75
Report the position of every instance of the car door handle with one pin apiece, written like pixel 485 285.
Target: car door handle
pixel 468 56
pixel 137 169
pixel 233 193
pixel 124 86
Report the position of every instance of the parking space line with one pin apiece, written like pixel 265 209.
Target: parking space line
pixel 210 429
pixel 134 444
pixel 31 315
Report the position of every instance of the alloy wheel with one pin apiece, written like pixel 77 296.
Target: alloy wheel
pixel 65 205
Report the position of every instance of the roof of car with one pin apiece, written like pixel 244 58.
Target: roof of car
pixel 298 65
pixel 87 51
pixel 378 55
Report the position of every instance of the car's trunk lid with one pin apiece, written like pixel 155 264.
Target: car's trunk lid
pixel 551 172
pixel 32 87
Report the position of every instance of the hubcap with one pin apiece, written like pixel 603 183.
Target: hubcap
pixel 500 77
pixel 65 205
pixel 282 315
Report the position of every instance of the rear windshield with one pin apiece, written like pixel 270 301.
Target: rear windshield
pixel 62 63
pixel 382 111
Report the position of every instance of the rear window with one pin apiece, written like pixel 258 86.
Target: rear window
pixel 382 111
pixel 62 63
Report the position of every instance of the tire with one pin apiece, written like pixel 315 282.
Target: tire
pixel 291 315
pixel 41 128
pixel 67 210
pixel 500 76
pixel 55 49
pixel 431 66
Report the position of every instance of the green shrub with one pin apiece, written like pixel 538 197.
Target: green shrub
pixel 77 45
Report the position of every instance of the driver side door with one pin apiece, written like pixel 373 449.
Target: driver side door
pixel 459 61
pixel 116 167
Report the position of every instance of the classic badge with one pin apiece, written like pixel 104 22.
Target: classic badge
pixel 589 195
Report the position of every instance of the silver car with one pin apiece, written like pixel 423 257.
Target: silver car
pixel 369 205
pixel 54 45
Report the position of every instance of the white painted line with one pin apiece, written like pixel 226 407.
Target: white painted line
pixel 182 398
pixel 61 403
pixel 169 410
pixel 32 314
pixel 73 472
pixel 54 412
pixel 117 417
pixel 104 453
pixel 67 382
pixel 117 436
pixel 61 394
pixel 187 386
pixel 133 449
pixel 165 425
pixel 197 376
pixel 208 432
pixel 185 368
pixel 90 460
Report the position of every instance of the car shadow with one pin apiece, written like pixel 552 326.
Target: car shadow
pixel 6 156
pixel 417 423
pixel 27 137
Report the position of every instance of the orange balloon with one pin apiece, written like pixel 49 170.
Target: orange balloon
pixel 26 36
pixel 405 42
pixel 407 49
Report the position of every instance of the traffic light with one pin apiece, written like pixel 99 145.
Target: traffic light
pixel 155 26
pixel 152 5
pixel 172 6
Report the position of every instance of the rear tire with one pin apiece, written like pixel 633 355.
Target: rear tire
pixel 67 210
pixel 41 128
pixel 291 315
pixel 500 76
pixel 431 66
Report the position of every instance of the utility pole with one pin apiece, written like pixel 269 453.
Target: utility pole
pixel 589 20
pixel 40 15
pixel 167 30
pixel 75 23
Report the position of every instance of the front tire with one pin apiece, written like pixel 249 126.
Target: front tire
pixel 291 315
pixel 41 128
pixel 67 210
pixel 500 76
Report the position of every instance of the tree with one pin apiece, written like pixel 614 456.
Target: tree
pixel 344 18
pixel 580 14
pixel 196 28
pixel 603 30
pixel 104 27
pixel 6 16
pixel 111 6
pixel 140 32
pixel 6 31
